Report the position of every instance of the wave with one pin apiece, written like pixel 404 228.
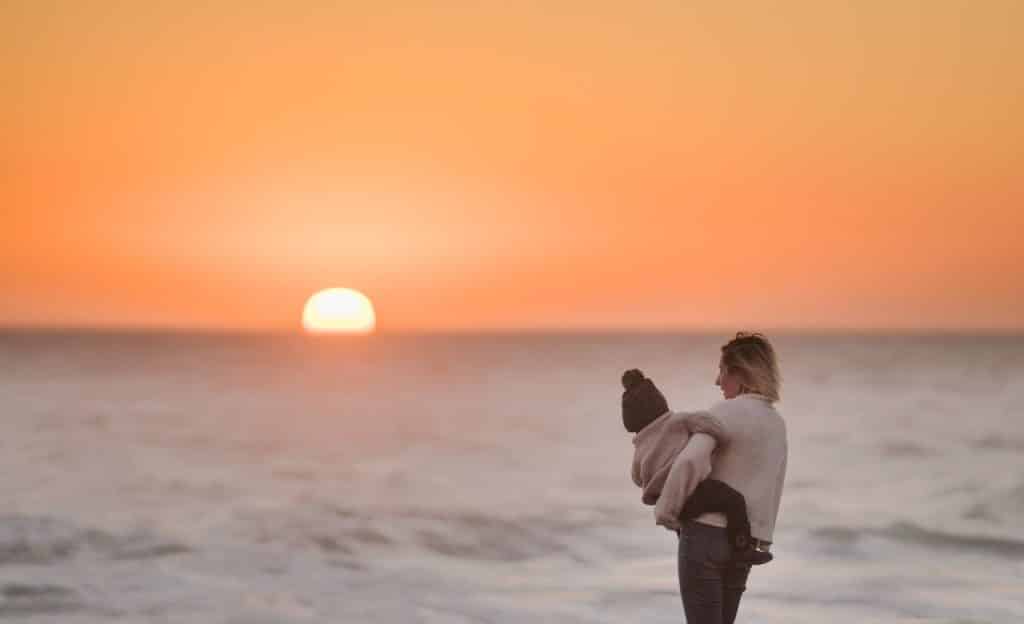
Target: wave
pixel 999 443
pixel 481 536
pixel 910 533
pixel 902 448
pixel 348 535
pixel 26 539
pixel 43 540
pixel 137 545
pixel 461 535
pixel 472 536
pixel 22 599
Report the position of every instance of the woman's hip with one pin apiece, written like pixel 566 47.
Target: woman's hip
pixel 704 544
pixel 710 584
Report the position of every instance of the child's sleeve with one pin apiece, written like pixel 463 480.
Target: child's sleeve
pixel 691 466
pixel 635 470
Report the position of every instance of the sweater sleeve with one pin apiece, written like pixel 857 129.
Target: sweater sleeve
pixel 706 422
pixel 635 470
pixel 691 466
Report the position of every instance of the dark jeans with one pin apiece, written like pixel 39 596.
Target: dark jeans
pixel 711 588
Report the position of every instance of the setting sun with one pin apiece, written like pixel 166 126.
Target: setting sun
pixel 339 310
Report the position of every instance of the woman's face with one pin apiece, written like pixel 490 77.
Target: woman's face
pixel 728 382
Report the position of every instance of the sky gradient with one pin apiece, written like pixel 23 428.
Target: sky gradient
pixel 475 165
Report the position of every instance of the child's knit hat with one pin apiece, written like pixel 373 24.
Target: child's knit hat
pixel 642 402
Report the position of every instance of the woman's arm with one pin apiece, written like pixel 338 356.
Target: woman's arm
pixel 691 466
pixel 704 422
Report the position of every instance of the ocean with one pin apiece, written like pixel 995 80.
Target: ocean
pixel 484 478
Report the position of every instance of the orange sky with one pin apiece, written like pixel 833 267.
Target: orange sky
pixel 582 165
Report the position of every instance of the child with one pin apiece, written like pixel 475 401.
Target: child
pixel 643 405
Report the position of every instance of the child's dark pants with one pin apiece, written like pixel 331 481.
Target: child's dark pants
pixel 712 495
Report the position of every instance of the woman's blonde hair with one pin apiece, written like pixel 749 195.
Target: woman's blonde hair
pixel 751 358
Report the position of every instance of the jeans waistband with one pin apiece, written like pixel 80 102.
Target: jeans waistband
pixel 692 527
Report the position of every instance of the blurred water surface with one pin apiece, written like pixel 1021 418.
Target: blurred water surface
pixel 485 478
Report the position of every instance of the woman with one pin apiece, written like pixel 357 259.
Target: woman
pixel 751 452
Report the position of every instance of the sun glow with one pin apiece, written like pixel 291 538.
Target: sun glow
pixel 339 310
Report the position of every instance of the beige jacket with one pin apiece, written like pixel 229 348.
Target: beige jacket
pixel 659 444
pixel 750 454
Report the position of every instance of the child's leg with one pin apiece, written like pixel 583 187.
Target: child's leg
pixel 712 495
pixel 734 506
pixel 706 497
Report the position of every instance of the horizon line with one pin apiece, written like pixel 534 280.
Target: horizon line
pixel 525 330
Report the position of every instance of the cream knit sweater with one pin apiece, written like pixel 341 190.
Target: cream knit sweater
pixel 748 438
